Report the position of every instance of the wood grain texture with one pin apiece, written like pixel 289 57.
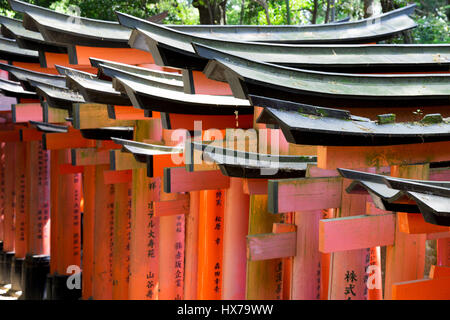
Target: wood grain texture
pixel 304 194
pixel 271 246
pixel 356 232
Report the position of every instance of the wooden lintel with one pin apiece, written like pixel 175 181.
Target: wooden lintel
pixel 173 207
pixel 26 112
pixel 91 115
pixel 54 115
pixel 69 140
pixel 66 168
pixel 414 223
pixel 424 289
pixel 89 156
pixel 304 194
pixel 255 186
pixel 126 113
pixel 271 246
pixel 180 180
pixel 124 161
pixel 356 232
pixel 10 136
pixel 439 272
pixel 283 227
pixel 116 177
pixel 30 134
pixel 438 235
pixel 379 156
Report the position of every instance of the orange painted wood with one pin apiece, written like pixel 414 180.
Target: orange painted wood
pixel 438 236
pixel 2 191
pixel 38 199
pixel 122 233
pixel 325 262
pixel 65 168
pixel 114 177
pixel 437 272
pixel 126 113
pixel 180 180
pixel 306 269
pixel 35 67
pixel 71 139
pixel 107 145
pixel 54 196
pixel 235 230
pixel 405 260
pixel 171 259
pixel 424 289
pixel 210 244
pixel 264 280
pixel 172 207
pixel 94 115
pixel 160 162
pixel 443 252
pixel 9 136
pixel 103 236
pixel 124 161
pixel 122 55
pixel 52 58
pixel 271 246
pixel 89 156
pixel 255 186
pixel 348 268
pixel 304 194
pixel 144 243
pixel 367 157
pixel 356 232
pixel 30 134
pixel 415 224
pixel 203 85
pixel 68 216
pixel 9 211
pixel 191 247
pixel 89 189
pixel 54 115
pixel 187 121
pixel 26 112
pixel 21 207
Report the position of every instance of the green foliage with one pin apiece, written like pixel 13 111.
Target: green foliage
pixel 432 16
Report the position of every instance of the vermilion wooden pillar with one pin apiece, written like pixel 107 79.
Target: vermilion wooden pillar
pixel 145 226
pixel 21 203
pixel 103 236
pixel 405 260
pixel 191 247
pixel 234 241
pixel 10 196
pixel 66 229
pixel 36 264
pixel 122 234
pixel 2 191
pixel 210 242
pixel 144 242
pixel 9 215
pixel 87 286
pixel 38 192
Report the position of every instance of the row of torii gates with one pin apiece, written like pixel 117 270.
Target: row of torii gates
pixel 157 222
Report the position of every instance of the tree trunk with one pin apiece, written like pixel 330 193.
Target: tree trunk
pixel 241 20
pixel 264 4
pixel 288 12
pixel 327 12
pixel 368 8
pixel 314 13
pixel 387 5
pixel 211 12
